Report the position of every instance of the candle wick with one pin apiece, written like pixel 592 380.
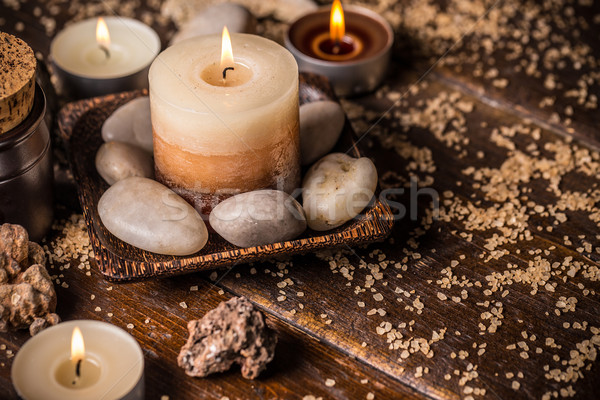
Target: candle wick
pixel 336 46
pixel 225 72
pixel 77 372
pixel 105 50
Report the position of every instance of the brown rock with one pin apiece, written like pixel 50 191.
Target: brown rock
pixel 37 277
pixel 39 324
pixel 234 332
pixel 30 297
pixel 14 242
pixel 36 254
pixel 27 296
pixel 10 267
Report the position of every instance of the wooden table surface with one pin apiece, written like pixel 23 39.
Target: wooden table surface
pixel 494 296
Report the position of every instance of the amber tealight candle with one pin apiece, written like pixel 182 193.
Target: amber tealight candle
pixel 350 46
pixel 225 117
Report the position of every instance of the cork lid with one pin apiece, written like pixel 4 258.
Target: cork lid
pixel 17 79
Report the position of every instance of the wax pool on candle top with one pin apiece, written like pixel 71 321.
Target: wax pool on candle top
pixel 336 45
pixel 89 374
pixel 213 75
pixel 227 73
pixel 80 370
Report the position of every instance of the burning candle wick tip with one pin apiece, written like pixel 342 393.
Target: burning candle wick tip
pixel 105 50
pixel 225 72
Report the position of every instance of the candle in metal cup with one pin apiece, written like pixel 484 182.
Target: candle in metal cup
pixel 350 47
pixel 105 55
pixel 56 365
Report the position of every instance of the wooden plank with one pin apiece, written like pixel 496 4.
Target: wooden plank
pixel 301 366
pixel 327 291
pixel 447 276
pixel 539 59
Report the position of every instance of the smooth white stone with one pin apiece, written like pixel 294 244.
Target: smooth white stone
pixel 212 19
pixel 119 160
pixel 148 215
pixel 258 217
pixel 321 123
pixel 120 125
pixel 282 10
pixel 142 125
pixel 336 189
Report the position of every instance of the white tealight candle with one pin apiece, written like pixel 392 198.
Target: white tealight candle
pixel 104 55
pixel 80 360
pixel 225 122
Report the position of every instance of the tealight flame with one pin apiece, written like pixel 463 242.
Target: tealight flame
pixel 102 35
pixel 337 26
pixel 226 52
pixel 77 346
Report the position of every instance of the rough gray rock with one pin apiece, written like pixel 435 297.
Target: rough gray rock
pixel 234 332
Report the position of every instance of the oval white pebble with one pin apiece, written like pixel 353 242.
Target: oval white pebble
pixel 211 20
pixel 336 189
pixel 321 123
pixel 258 217
pixel 142 125
pixel 120 125
pixel 148 215
pixel 118 160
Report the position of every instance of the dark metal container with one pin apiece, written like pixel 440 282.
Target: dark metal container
pixel 26 175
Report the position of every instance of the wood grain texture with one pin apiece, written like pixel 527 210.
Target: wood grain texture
pixel 301 366
pixel 328 312
pixel 438 278
pixel 547 71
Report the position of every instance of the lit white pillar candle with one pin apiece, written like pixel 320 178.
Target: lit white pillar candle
pixel 104 55
pixel 80 360
pixel 223 123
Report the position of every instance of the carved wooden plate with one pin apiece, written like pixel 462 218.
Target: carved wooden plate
pixel 80 126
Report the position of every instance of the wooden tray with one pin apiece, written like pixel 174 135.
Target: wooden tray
pixel 80 126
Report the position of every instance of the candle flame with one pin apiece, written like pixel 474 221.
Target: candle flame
pixel 337 26
pixel 102 35
pixel 226 51
pixel 77 346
